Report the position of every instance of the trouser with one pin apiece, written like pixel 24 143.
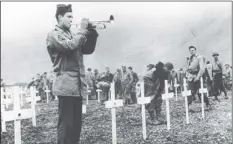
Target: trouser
pixel 126 89
pixel 104 86
pixel 194 87
pixel 117 89
pixel 70 119
pixel 209 87
pixel 155 104
pixel 218 84
pixel 133 93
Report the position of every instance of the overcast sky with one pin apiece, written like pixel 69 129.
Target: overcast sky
pixel 22 22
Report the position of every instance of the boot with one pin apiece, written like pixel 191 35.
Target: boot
pixel 152 115
pixel 159 120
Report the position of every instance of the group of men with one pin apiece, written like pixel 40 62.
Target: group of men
pixel 43 82
pixel 125 81
pixel 66 50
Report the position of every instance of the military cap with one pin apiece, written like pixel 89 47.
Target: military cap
pixel 190 47
pixel 215 53
pixel 130 67
pixel 150 65
pixel 89 69
pixel 169 65
pixel 62 9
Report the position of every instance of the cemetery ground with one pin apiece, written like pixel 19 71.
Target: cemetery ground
pixel 216 128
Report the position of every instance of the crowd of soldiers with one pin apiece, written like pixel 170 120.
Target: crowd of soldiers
pixel 125 83
pixel 43 82
pixel 216 78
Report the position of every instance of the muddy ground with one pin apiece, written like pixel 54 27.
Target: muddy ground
pixel 216 128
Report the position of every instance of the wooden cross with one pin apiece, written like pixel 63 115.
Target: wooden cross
pixel 84 109
pixel 47 93
pixel 33 99
pixel 143 100
pixel 98 93
pixel 16 115
pixel 185 94
pixel 3 124
pixel 166 97
pixel 176 86
pixel 202 90
pixel 5 100
pixel 113 104
pixel 88 91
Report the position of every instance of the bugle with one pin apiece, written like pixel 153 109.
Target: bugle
pixel 98 24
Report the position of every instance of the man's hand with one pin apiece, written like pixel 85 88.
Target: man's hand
pixel 84 23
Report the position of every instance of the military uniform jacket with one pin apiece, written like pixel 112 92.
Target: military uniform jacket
pixel 195 67
pixel 66 51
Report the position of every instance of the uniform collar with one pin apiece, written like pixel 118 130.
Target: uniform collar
pixel 66 33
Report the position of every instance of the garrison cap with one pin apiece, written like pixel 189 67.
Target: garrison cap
pixel 192 47
pixel 215 54
pixel 62 9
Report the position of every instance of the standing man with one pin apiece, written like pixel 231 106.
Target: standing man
pixel 117 81
pixel 209 77
pixel 133 88
pixel 96 77
pixel 108 75
pixel 126 84
pixel 90 82
pixel 218 76
pixel 228 75
pixel 66 50
pixel 195 70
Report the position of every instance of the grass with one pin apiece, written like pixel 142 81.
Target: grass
pixel 216 128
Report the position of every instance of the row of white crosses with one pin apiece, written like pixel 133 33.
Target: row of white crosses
pixel 18 114
pixel 113 104
pixel 6 97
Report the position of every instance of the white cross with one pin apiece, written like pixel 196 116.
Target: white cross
pixel 176 86
pixel 16 115
pixel 84 109
pixel 98 91
pixel 166 97
pixel 6 101
pixel 88 91
pixel 33 99
pixel 47 93
pixel 185 94
pixel 202 90
pixel 143 100
pixel 113 104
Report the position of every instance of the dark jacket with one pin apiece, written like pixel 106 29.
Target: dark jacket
pixel 66 51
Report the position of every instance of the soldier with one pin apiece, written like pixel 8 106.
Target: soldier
pixel 133 88
pixel 228 75
pixel 209 74
pixel 195 70
pixel 66 51
pixel 117 80
pixel 108 75
pixel 154 86
pixel 90 82
pixel 126 84
pixel 217 76
pixel 96 77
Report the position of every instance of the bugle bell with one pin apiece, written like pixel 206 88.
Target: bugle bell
pixel 97 24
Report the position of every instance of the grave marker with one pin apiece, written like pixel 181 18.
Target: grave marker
pixel 143 100
pixel 113 104
pixel 185 94
pixel 166 97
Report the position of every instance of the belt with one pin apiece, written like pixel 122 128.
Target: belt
pixel 71 73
